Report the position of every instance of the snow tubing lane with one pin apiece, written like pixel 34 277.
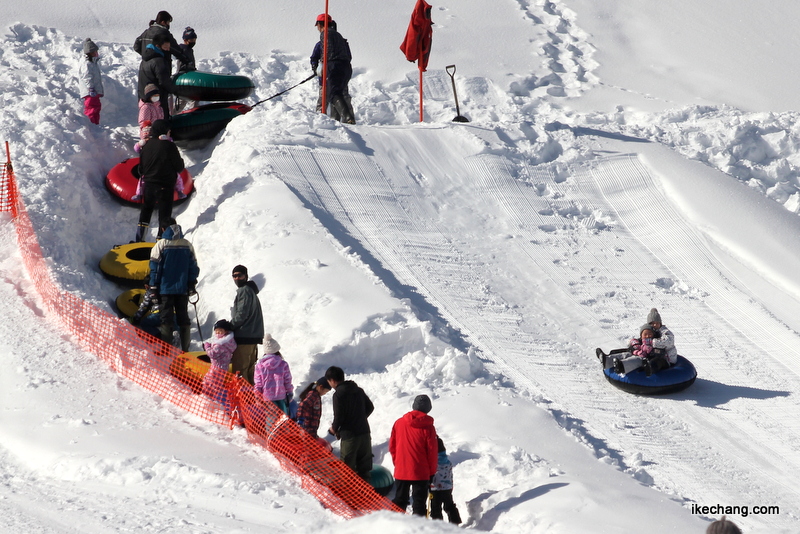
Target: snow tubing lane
pixel 207 86
pixel 678 377
pixel 121 182
pixel 196 127
pixel 127 264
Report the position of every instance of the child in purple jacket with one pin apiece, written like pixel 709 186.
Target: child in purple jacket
pixel 272 377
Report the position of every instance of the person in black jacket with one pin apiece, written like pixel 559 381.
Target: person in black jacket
pixel 160 26
pixel 159 165
pixel 351 408
pixel 155 69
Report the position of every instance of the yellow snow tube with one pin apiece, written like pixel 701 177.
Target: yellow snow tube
pixel 191 367
pixel 129 301
pixel 127 264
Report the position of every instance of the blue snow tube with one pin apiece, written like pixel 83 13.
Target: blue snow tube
pixel 678 377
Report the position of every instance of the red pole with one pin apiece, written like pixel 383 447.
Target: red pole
pixel 420 90
pixel 325 63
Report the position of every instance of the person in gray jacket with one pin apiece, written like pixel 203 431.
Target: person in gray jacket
pixel 248 324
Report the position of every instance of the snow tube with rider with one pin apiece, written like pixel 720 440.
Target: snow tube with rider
pixel 196 127
pixel 122 180
pixel 128 265
pixel 207 86
pixel 676 378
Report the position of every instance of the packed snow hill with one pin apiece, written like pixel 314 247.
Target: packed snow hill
pixel 608 167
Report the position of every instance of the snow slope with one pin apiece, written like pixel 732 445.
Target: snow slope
pixel 602 174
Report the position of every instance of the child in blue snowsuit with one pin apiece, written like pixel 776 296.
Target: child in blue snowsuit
pixel 442 488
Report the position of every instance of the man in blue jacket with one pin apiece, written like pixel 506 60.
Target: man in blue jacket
pixel 173 276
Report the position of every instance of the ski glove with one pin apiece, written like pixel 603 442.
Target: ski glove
pixel 92 93
pixel 193 288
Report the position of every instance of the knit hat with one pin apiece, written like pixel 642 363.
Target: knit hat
pixel 440 444
pixel 723 526
pixel 150 90
pixel 224 324
pixel 647 326
pixel 270 345
pixel 240 269
pixel 422 403
pixel 189 33
pixel 654 317
pixel 89 46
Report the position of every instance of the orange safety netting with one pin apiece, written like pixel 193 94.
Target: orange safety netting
pixel 178 378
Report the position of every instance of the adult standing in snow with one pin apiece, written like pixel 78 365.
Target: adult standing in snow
pixel 248 324
pixel 273 379
pixel 351 408
pixel 415 454
pixel 664 339
pixel 159 165
pixel 155 69
pixel 339 69
pixel 91 82
pixel 160 26
pixel 173 275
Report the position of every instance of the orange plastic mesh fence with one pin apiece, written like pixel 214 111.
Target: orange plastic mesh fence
pixel 179 378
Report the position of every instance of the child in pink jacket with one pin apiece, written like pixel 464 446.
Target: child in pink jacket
pixel 220 350
pixel 272 377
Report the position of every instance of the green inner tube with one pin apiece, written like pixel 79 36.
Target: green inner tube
pixel 207 86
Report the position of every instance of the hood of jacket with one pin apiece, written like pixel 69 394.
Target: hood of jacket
pixel 152 51
pixel 417 419
pixel 271 362
pixel 173 232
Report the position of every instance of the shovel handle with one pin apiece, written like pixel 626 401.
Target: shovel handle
pixel 451 73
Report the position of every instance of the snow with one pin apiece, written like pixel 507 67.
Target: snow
pixel 619 157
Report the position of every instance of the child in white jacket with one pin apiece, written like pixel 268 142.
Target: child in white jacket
pixel 90 81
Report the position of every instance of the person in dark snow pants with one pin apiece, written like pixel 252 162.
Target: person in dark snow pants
pixel 248 324
pixel 339 69
pixel 159 165
pixel 415 454
pixel 173 275
pixel 351 408
pixel 442 488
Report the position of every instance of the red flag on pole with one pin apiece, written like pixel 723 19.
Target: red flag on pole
pixel 417 44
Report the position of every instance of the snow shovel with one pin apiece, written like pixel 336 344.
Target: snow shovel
pixel 194 303
pixel 452 73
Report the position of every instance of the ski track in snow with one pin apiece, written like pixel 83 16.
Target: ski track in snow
pixel 408 219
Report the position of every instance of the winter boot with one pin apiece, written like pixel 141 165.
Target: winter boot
pixel 141 229
pixel 342 109
pixel 186 337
